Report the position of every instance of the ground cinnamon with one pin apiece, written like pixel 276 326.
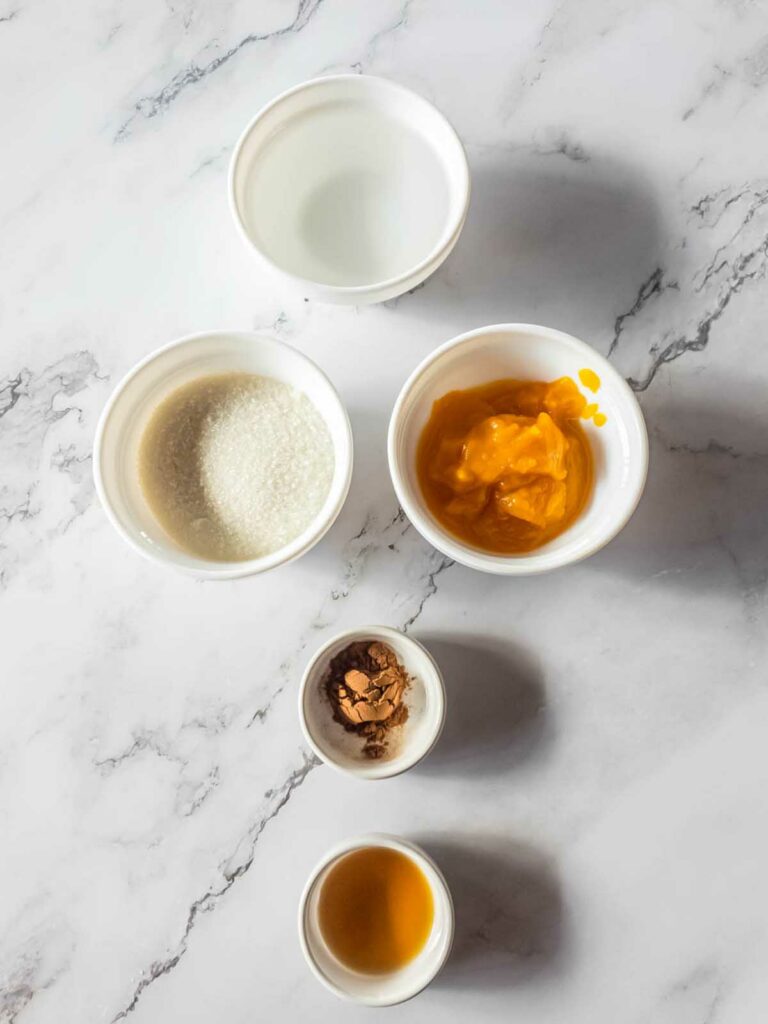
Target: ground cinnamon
pixel 365 684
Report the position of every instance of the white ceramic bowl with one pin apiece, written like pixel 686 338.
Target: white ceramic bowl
pixel 122 423
pixel 379 989
pixel 526 352
pixel 353 186
pixel 416 737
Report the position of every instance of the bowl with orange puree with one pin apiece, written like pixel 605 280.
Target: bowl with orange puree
pixel 516 449
pixel 376 920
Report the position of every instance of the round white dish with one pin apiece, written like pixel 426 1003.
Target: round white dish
pixel 122 423
pixel 378 989
pixel 425 698
pixel 526 352
pixel 353 186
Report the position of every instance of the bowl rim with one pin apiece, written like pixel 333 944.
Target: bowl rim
pixel 422 858
pixel 448 237
pixel 524 564
pixel 223 570
pixel 377 770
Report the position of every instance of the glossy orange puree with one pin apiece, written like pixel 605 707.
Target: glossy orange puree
pixel 506 466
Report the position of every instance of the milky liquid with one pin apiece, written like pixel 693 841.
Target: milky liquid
pixel 345 195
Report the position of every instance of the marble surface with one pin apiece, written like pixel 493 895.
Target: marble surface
pixel 598 800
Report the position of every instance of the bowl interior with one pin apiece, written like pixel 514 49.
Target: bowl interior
pixel 380 989
pixel 425 699
pixel 349 181
pixel 139 394
pixel 528 353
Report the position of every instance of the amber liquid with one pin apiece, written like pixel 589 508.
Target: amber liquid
pixel 375 910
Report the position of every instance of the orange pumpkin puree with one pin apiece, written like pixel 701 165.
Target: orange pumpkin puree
pixel 506 466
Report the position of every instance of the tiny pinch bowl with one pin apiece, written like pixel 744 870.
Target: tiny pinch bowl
pixel 377 989
pixel 425 698
pixel 525 352
pixel 125 416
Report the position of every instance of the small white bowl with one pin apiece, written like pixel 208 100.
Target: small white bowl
pixel 353 186
pixel 525 352
pixel 377 989
pixel 122 423
pixel 425 698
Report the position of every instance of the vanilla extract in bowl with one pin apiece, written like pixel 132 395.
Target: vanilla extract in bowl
pixel 375 910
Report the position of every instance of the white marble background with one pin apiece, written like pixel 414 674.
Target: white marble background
pixel 599 799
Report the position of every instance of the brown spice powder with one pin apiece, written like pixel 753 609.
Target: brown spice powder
pixel 365 684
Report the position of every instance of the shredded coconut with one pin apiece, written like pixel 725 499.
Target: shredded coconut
pixel 235 466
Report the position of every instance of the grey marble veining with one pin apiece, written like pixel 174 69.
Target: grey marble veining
pixel 596 801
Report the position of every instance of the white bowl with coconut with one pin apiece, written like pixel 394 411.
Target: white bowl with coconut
pixel 223 454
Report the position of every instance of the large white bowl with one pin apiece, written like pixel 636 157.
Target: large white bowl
pixel 525 352
pixel 122 423
pixel 377 989
pixel 353 186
